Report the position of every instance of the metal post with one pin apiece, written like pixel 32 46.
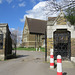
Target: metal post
pixel 39 43
pixel 46 44
pixel 15 49
pixel 35 40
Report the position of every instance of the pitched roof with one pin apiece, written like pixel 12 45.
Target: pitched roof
pixel 3 24
pixel 51 18
pixel 36 26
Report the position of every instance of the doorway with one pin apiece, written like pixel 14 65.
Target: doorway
pixel 62 43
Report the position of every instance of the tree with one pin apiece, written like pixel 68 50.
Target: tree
pixel 18 34
pixel 70 15
pixel 68 6
pixel 56 5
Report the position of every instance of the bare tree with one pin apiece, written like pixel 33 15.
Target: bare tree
pixel 53 6
pixel 68 6
pixel 18 34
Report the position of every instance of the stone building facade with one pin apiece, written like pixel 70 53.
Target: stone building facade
pixel 33 33
pixel 61 37
pixel 5 42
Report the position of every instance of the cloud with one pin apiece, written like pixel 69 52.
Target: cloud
pixel 13 6
pixel 22 4
pixel 12 29
pixel 9 1
pixel 33 1
pixel 0 1
pixel 37 12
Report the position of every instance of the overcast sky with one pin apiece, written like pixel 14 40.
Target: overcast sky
pixel 14 12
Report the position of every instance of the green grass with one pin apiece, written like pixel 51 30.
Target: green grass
pixel 30 49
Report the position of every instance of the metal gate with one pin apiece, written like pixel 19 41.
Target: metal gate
pixel 62 44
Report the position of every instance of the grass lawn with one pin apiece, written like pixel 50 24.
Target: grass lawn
pixel 30 49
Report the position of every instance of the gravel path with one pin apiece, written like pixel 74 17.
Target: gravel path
pixel 32 63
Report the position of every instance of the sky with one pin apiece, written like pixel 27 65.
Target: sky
pixel 14 12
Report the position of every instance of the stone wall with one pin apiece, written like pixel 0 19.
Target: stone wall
pixel 73 47
pixel 33 41
pixel 49 45
pixel 31 37
pixel 25 44
pixel 7 42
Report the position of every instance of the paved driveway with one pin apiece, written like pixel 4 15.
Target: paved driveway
pixel 32 63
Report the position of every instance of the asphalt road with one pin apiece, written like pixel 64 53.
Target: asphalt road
pixel 32 63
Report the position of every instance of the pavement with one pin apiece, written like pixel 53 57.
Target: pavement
pixel 32 63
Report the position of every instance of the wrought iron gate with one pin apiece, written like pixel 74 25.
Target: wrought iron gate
pixel 62 44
